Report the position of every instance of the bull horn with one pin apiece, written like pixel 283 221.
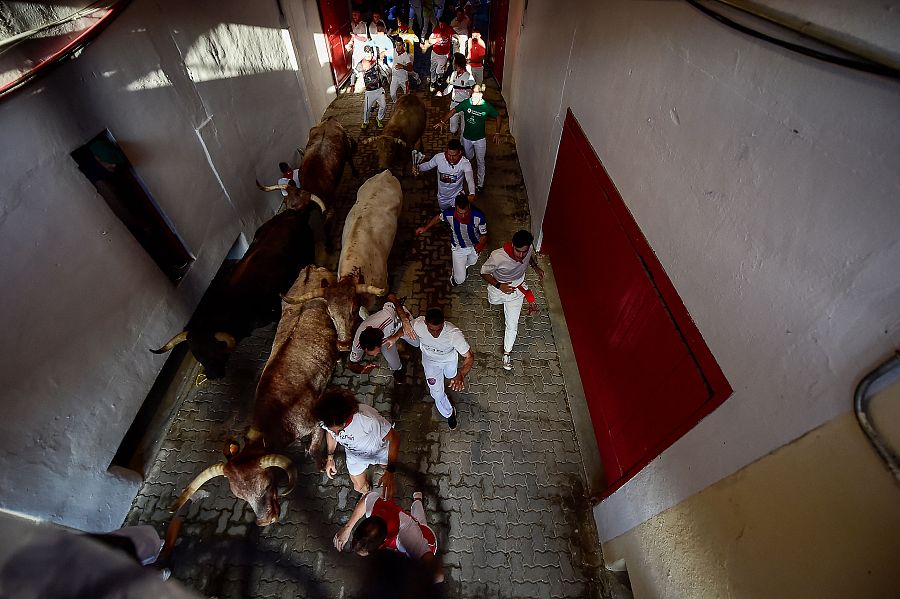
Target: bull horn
pixel 179 338
pixel 318 202
pixel 201 479
pixel 366 142
pixel 270 187
pixel 275 460
pixel 226 338
pixel 303 298
pixel 362 288
pixel 397 140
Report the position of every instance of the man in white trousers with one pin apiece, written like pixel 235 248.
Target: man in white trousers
pixel 504 272
pixel 370 70
pixel 468 235
pixel 400 70
pixel 452 170
pixel 441 343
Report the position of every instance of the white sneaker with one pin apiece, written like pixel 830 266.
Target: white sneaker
pixel 507 362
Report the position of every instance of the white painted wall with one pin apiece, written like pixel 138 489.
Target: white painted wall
pixel 204 98
pixel 767 184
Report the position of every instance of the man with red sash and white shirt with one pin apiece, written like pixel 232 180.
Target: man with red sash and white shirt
pixel 442 343
pixel 366 436
pixel 504 272
pixel 385 525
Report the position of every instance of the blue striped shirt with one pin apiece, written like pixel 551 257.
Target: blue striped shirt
pixel 466 235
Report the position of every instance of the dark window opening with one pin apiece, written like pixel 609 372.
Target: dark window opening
pixel 106 166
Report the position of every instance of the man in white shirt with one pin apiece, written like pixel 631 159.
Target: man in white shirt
pixel 441 343
pixel 359 36
pixel 379 334
pixel 376 21
pixel 287 175
pixel 452 168
pixel 460 87
pixel 401 69
pixel 504 272
pixel 366 436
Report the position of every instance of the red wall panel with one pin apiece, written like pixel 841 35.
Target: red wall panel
pixel 647 374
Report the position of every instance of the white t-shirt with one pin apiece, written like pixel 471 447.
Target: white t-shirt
pixel 364 436
pixel 410 540
pixel 504 268
pixel 295 177
pixel 462 86
pixel 444 347
pixel 401 75
pixel 385 319
pixel 450 178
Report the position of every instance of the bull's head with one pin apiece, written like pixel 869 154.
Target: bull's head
pixel 391 151
pixel 343 300
pixel 297 198
pixel 251 477
pixel 212 350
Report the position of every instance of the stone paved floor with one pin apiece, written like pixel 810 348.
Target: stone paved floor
pixel 504 491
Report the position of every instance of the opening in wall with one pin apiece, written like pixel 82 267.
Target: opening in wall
pixel 104 163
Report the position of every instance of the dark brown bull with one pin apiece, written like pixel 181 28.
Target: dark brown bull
pixel 249 295
pixel 295 376
pixel 402 133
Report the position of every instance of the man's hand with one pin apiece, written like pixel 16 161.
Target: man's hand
pixel 330 468
pixel 507 288
pixel 457 383
pixel 409 332
pixel 533 309
pixel 497 138
pixel 369 367
pixel 421 230
pixel 341 538
pixel 387 482
pixel 439 125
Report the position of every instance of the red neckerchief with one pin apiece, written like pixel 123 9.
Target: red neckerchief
pixel 508 248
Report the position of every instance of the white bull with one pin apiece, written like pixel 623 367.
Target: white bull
pixel 367 240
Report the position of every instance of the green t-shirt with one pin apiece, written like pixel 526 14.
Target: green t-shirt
pixel 475 117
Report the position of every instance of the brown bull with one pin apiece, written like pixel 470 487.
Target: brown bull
pixel 402 133
pixel 365 245
pixel 328 149
pixel 294 378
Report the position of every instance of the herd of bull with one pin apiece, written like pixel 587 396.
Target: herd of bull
pixel 317 307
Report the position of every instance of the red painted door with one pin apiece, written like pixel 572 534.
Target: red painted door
pixel 648 375
pixel 336 26
pixel 497 39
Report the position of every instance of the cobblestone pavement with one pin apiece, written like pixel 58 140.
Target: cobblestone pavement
pixel 504 491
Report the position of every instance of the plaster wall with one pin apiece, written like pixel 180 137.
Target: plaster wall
pixel 765 181
pixel 204 99
pixel 816 518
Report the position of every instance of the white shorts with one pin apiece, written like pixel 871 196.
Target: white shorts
pixel 357 463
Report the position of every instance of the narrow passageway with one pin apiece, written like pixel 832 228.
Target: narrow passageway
pixel 504 491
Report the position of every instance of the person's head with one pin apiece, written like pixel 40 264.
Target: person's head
pixel 459 62
pixel 434 321
pixel 477 93
pixel 462 205
pixel 476 35
pixel 454 151
pixel 369 536
pixel 402 22
pixel 369 52
pixel 379 28
pixel 285 169
pixel 336 408
pixel 460 14
pixel 370 340
pixel 521 241
pixel 355 16
pixel 399 46
pixel 376 16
